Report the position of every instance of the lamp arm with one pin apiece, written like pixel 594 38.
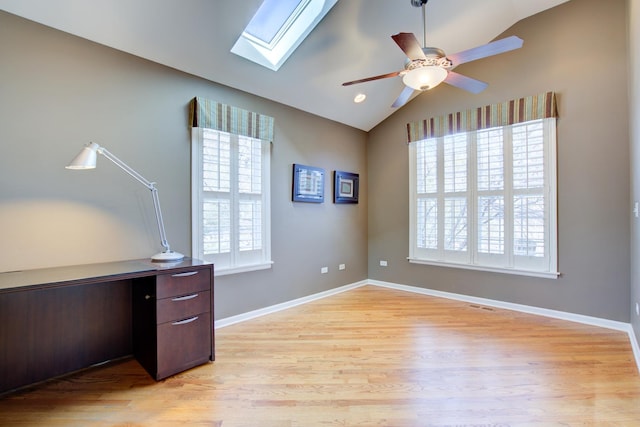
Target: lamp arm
pixel 156 206
pixel 122 165
pixel 150 185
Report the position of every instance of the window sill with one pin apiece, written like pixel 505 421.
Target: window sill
pixel 242 269
pixel 542 274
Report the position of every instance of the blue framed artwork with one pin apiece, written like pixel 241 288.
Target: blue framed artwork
pixel 308 184
pixel 345 187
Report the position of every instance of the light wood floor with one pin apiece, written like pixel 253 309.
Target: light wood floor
pixel 367 357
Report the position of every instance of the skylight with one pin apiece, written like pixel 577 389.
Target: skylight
pixel 278 28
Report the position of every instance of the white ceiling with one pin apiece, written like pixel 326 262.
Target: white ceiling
pixel 353 41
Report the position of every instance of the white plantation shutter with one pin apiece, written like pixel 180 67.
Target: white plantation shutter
pixel 249 194
pixel 455 197
pixel 231 187
pixel 485 198
pixel 530 206
pixel 427 196
pixel 490 189
pixel 216 193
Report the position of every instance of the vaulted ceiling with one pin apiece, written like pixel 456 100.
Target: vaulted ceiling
pixel 353 41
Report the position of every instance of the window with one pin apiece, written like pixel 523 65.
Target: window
pixel 485 199
pixel 231 224
pixel 278 28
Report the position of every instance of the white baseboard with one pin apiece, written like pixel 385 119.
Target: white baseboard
pixel 285 305
pixel 588 320
pixel 634 346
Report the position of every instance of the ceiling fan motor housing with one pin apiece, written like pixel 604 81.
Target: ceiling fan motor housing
pixel 433 57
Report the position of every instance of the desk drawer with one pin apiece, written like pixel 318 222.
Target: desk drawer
pixel 188 282
pixel 183 344
pixel 182 307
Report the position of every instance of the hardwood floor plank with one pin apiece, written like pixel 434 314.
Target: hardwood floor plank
pixel 367 357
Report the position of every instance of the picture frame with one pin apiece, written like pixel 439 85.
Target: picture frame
pixel 308 184
pixel 345 187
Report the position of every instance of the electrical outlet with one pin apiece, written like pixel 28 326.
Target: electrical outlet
pixel 383 263
pixel 324 270
pixel 342 267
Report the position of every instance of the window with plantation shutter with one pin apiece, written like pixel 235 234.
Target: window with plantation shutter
pixel 231 187
pixel 484 198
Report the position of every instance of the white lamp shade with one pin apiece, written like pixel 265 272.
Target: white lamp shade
pixel 86 159
pixel 425 78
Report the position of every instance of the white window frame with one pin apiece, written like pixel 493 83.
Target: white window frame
pixel 509 262
pixel 234 261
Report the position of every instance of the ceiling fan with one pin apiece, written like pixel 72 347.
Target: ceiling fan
pixel 427 67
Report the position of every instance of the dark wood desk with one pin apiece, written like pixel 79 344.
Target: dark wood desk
pixel 54 321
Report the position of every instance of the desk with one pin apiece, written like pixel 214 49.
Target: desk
pixel 54 321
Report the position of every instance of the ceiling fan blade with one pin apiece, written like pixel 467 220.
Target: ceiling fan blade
pixel 403 98
pixel 489 49
pixel 409 45
pixel 368 79
pixel 464 82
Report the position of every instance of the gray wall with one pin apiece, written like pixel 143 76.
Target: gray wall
pixel 58 92
pixel 579 50
pixel 634 98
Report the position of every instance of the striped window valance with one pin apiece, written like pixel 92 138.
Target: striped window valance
pixel 503 114
pixel 205 113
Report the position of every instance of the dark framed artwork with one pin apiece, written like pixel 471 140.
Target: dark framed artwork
pixel 345 187
pixel 308 184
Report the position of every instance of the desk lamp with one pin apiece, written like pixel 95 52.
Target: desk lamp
pixel 86 159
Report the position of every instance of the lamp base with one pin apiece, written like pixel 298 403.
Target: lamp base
pixel 167 256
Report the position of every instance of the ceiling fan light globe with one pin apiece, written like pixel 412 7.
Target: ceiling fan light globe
pixel 424 78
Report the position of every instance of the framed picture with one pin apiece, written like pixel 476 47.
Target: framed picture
pixel 308 184
pixel 345 187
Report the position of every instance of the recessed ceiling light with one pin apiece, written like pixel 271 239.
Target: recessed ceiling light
pixel 359 98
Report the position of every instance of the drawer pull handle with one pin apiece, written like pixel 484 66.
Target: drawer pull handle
pixel 188 273
pixel 184 298
pixel 185 321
